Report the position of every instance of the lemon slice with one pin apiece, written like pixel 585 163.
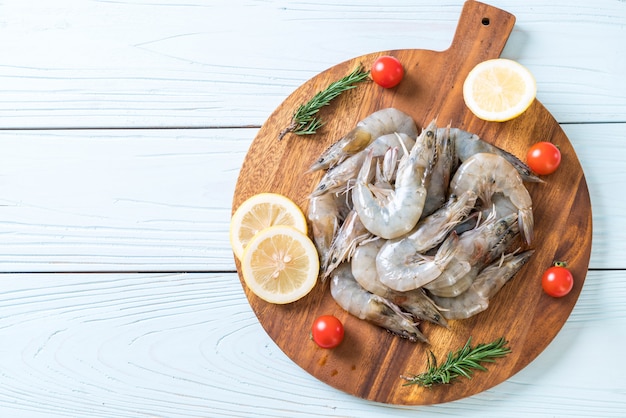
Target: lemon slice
pixel 259 212
pixel 280 264
pixel 499 90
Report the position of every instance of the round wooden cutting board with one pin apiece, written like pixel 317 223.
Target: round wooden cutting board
pixel 370 361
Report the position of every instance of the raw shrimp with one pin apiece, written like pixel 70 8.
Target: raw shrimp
pixel 442 171
pixel 415 301
pixel 488 282
pixel 350 234
pixel 365 305
pixel 398 214
pixel 487 174
pixel 433 229
pixel 325 214
pixel 338 177
pixel 379 123
pixel 467 144
pixel 411 271
pixel 400 260
pixel 464 280
pixel 475 249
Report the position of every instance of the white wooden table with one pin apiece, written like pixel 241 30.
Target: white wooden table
pixel 123 125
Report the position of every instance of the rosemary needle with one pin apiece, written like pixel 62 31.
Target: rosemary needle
pixel 304 121
pixel 460 363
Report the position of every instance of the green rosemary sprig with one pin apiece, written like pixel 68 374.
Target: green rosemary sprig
pixel 304 121
pixel 458 364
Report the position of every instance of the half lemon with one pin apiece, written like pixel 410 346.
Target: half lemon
pixel 499 89
pixel 280 264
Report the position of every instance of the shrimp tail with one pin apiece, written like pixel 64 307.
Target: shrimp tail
pixel 525 220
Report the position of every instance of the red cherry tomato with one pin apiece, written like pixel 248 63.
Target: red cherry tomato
pixel 543 158
pixel 387 71
pixel 557 281
pixel 327 331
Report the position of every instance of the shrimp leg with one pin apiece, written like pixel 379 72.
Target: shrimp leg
pixel 350 234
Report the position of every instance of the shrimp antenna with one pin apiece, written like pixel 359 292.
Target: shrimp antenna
pixel 404 148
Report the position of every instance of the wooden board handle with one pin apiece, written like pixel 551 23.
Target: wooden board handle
pixel 481 33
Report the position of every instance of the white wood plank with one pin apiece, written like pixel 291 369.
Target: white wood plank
pixel 153 200
pixel 160 200
pixel 72 63
pixel 183 345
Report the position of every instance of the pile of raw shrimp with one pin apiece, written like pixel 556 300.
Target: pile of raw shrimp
pixel 418 226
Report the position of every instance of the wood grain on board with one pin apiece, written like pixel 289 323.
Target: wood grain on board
pixel 370 361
